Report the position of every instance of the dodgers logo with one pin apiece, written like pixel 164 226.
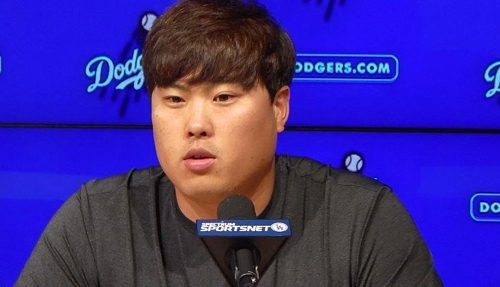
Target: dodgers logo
pixel 123 77
pixel 353 162
pixel 492 75
pixel 329 7
pixel 103 70
pixel 485 207
pixel 346 68
pixel 279 227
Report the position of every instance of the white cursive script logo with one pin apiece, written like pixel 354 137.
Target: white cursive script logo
pixel 492 74
pixel 131 70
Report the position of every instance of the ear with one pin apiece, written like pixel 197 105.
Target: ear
pixel 281 106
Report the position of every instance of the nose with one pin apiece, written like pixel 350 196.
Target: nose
pixel 199 124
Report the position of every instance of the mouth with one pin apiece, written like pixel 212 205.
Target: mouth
pixel 199 160
pixel 198 153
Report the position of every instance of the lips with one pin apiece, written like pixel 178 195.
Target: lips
pixel 199 160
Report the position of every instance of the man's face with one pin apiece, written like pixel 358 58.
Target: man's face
pixel 213 140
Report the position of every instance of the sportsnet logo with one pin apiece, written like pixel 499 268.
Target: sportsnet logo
pixel 243 227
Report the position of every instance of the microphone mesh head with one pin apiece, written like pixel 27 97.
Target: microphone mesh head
pixel 236 207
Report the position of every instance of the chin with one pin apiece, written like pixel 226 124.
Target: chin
pixel 207 194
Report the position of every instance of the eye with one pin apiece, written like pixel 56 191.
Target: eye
pixel 223 98
pixel 174 99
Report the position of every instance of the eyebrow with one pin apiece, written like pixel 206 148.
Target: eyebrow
pixel 185 87
pixel 179 86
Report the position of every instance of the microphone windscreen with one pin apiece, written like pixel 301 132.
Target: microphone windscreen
pixel 236 207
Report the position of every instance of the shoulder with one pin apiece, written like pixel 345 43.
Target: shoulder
pixel 133 179
pixel 303 168
pixel 323 191
pixel 366 225
pixel 111 195
pixel 332 193
pixel 108 200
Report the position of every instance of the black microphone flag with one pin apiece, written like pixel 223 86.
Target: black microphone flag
pixel 242 245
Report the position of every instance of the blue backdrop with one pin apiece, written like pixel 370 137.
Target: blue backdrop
pixel 407 92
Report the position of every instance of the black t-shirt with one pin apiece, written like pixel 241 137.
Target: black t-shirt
pixel 348 230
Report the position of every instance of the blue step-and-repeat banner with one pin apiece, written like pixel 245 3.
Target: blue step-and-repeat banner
pixel 406 92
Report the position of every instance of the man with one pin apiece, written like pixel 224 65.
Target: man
pixel 219 75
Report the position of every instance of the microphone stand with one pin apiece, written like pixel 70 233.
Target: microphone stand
pixel 246 273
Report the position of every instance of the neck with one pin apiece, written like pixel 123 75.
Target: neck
pixel 206 208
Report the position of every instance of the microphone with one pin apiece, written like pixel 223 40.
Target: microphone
pixel 242 245
pixel 244 257
pixel 236 207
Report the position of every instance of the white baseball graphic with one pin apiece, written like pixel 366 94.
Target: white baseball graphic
pixel 147 21
pixel 353 162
